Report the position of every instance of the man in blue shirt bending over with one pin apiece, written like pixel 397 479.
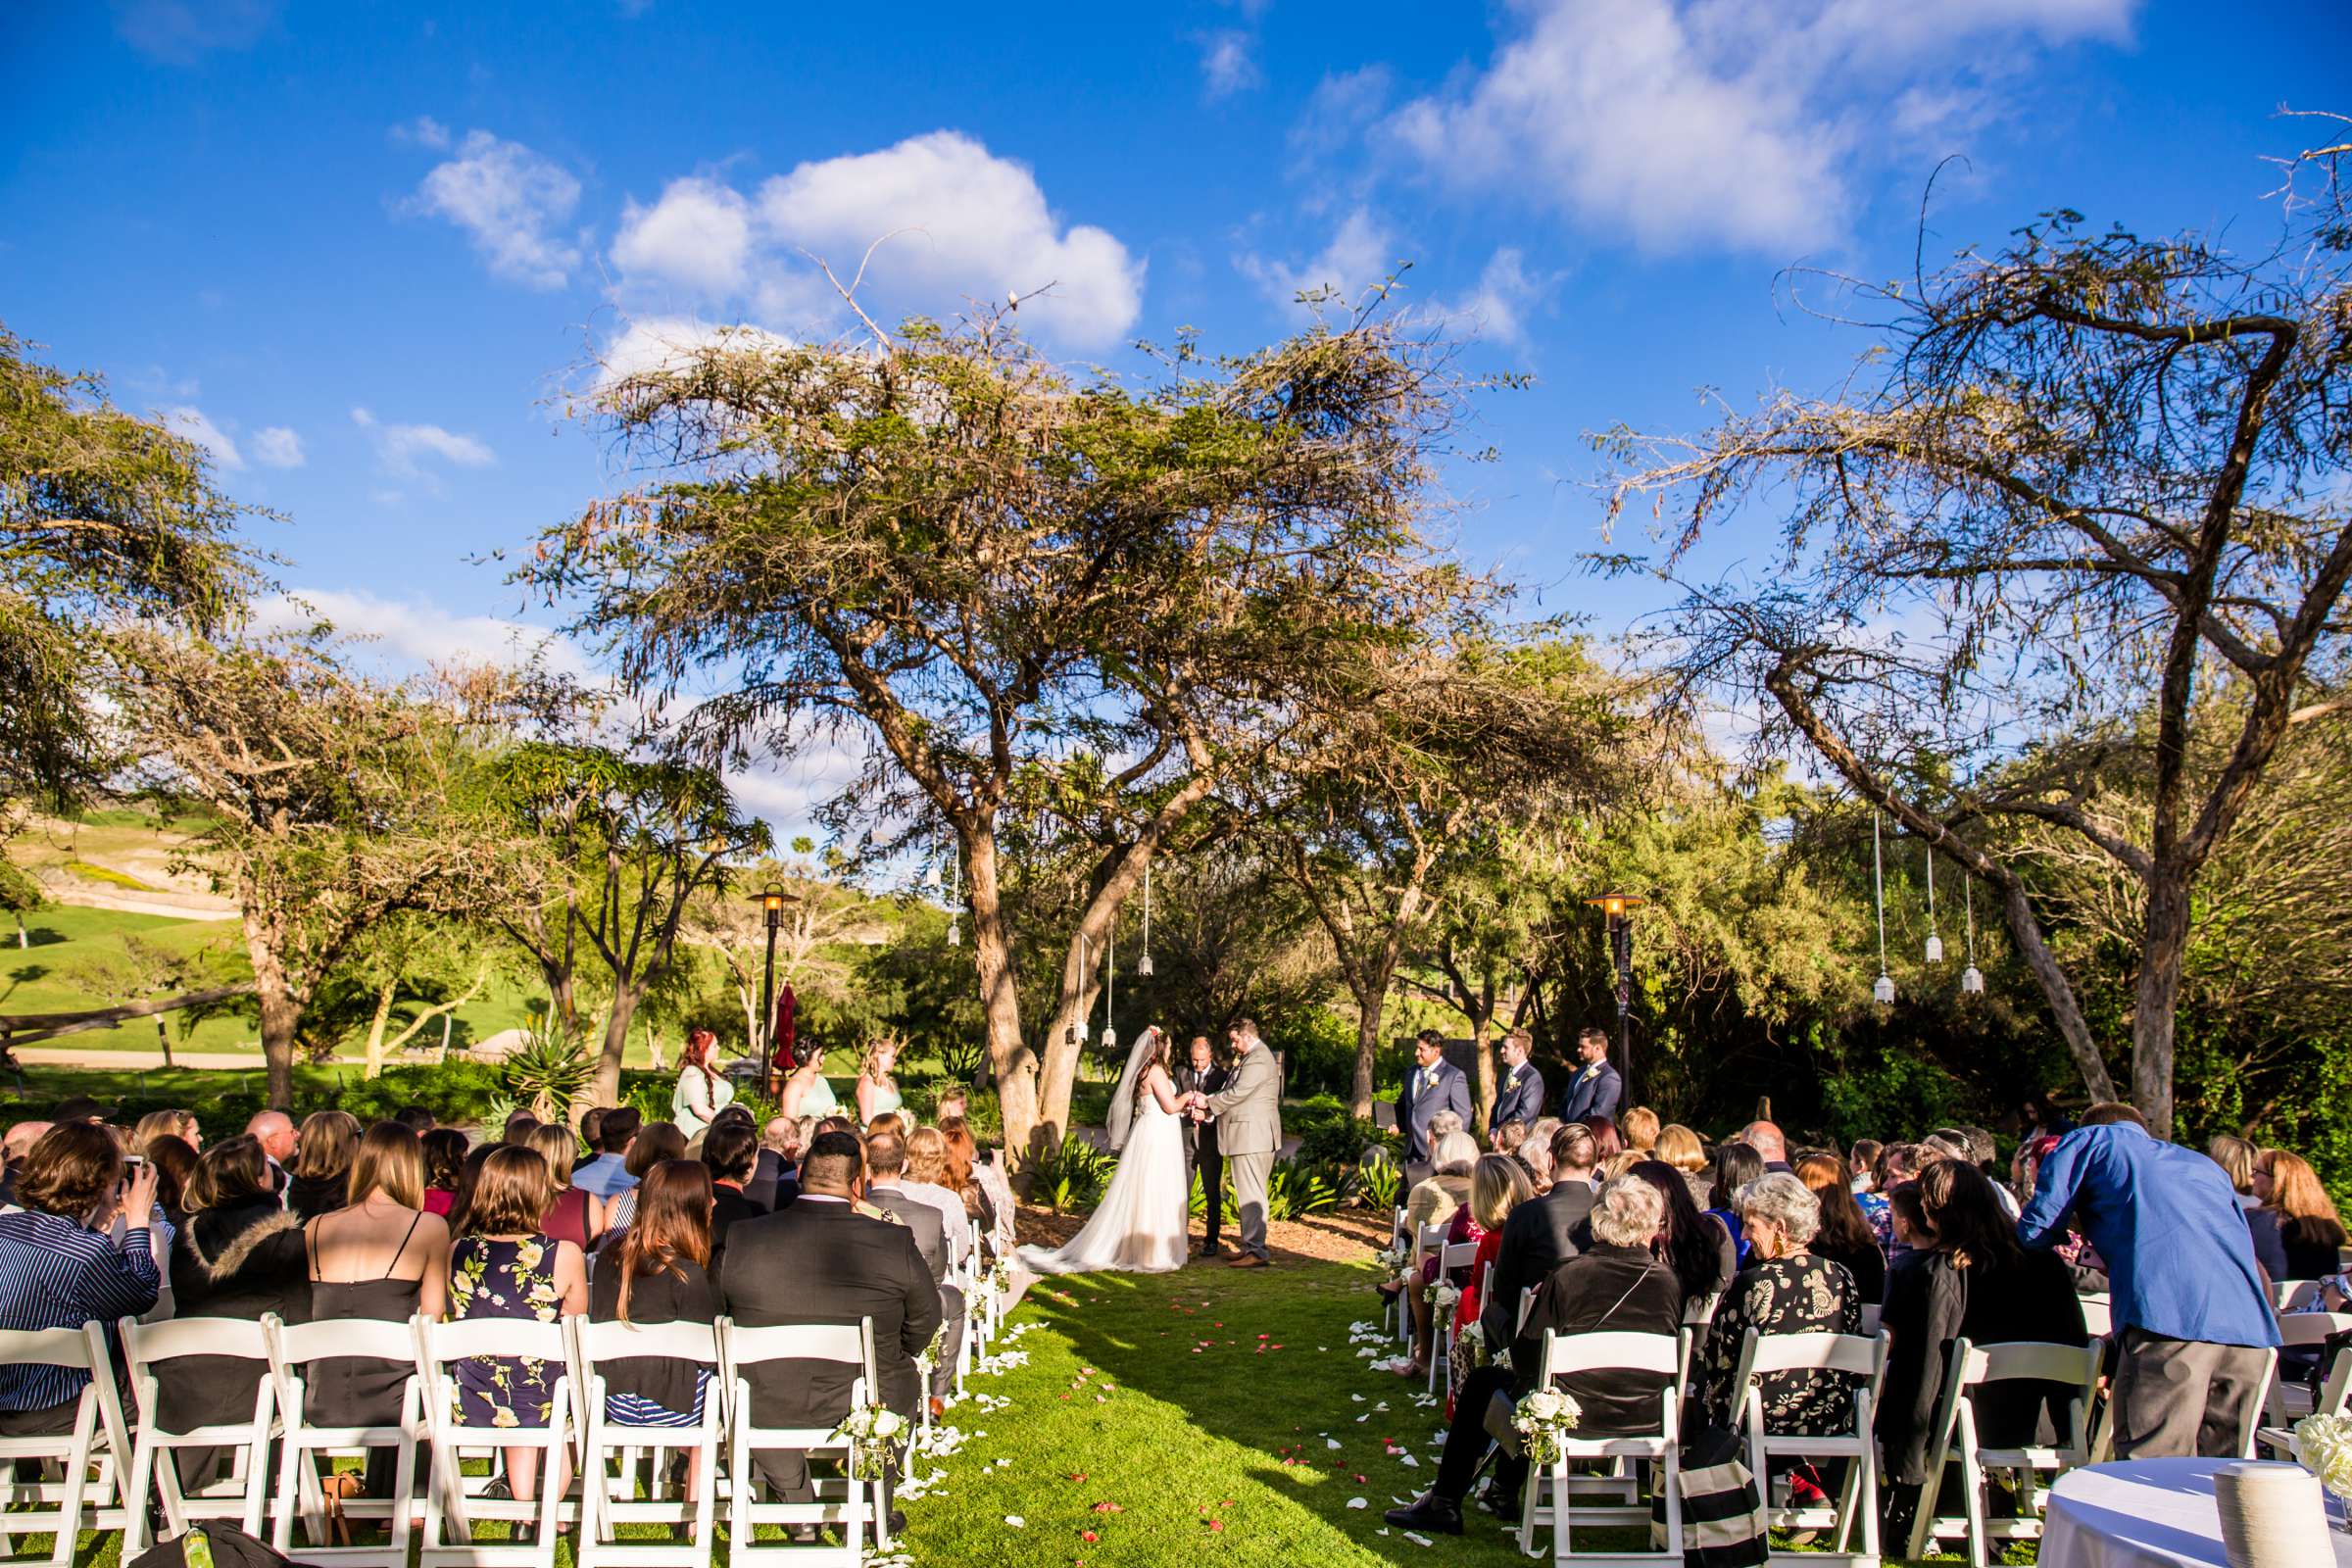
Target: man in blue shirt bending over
pixel 2189 1302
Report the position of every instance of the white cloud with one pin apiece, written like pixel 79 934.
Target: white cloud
pixel 400 446
pixel 1227 64
pixel 511 200
pixel 698 236
pixel 418 633
pixel 1690 122
pixel 1360 256
pixel 179 30
pixel 661 342
pixel 191 421
pixel 1497 308
pixel 963 223
pixel 423 132
pixel 276 447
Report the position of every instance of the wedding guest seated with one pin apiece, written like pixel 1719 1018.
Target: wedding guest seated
pixel 1607 1144
pixel 1509 1136
pixel 994 1208
pixel 772 1186
pixel 505 1267
pixel 179 1124
pixel 518 1129
pixel 381 1259
pixel 570 1216
pixel 14 1146
pixel 2308 1227
pixel 1679 1146
pixel 1534 1158
pixel 658 1273
pixel 1617 1287
pixel 1786 1288
pixel 1695 1244
pixel 1844 1236
pixel 926 1181
pixel 2237 1157
pixel 654 1143
pixel 1498 1187
pixel 240 1257
pixel 820 1261
pixel 444 1153
pixel 61 1267
pixel 322 1163
pixel 418 1119
pixel 886 1189
pixel 731 1151
pixel 1973 1282
pixel 607 1175
pixel 174 1165
pixel 1736 1164
pixel 1641 1128
pixel 1766 1139
pixel 1433 1204
pixel 1538 1235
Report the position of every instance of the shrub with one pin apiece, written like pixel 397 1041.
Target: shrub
pixel 453 1092
pixel 1378 1180
pixel 1072 1177
pixel 548 1072
pixel 1318 1052
pixel 1299 1188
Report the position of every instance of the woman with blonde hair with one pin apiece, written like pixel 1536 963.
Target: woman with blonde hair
pixel 570 1216
pixel 2308 1223
pixel 1678 1145
pixel 1498 1185
pixel 876 1090
pixel 1641 1129
pixel 1466 1224
pixel 179 1124
pixel 323 1156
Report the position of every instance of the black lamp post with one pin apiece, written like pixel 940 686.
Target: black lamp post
pixel 771 900
pixel 1618 908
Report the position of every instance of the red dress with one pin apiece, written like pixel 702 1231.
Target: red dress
pixel 566 1219
pixel 1489 1247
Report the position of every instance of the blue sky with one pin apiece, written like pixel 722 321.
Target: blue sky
pixel 362 248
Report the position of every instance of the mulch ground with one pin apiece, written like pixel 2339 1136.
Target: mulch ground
pixel 1343 1236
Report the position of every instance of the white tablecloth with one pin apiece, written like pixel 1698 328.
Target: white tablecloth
pixel 2145 1513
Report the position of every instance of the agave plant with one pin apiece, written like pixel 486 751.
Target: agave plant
pixel 548 1071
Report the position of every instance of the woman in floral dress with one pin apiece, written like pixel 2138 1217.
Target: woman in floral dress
pixel 504 1267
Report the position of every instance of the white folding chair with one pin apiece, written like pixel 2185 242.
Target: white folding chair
pixel 1971 1367
pixel 451 1507
pixel 148 1350
pixel 91 1453
pixel 2098 1315
pixel 1871 1315
pixel 610 1501
pixel 2283 1404
pixel 1661 1353
pixel 1853 1355
pixel 2336 1398
pixel 294 1349
pixel 1457 1254
pixel 844 1502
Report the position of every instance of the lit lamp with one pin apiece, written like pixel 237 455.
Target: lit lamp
pixel 771 901
pixel 1617 910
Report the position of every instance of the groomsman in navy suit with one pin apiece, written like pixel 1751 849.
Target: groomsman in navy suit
pixel 1519 1097
pixel 1596 1090
pixel 1434 1085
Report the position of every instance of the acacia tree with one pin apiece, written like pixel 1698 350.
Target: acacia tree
pixel 1370 812
pixel 820 917
pixel 334 804
pixel 974 564
pixel 430 968
pixel 628 844
pixel 2088 477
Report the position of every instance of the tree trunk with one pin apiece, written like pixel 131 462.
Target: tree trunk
pixel 2157 996
pixel 281 1015
pixel 1369 1005
pixel 1011 1061
pixel 604 1087
pixel 375 1028
pixel 2025 931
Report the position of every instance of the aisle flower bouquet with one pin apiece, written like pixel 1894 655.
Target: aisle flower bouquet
pixel 1396 1263
pixel 1544 1419
pixel 2323 1446
pixel 1443 1297
pixel 872 1430
pixel 928 1362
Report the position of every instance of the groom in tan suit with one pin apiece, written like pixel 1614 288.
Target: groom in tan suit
pixel 1248 1113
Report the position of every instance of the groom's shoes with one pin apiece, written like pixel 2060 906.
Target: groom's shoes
pixel 1247 1261
pixel 1430 1514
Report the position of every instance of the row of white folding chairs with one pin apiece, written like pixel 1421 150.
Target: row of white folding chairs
pixel 103 1490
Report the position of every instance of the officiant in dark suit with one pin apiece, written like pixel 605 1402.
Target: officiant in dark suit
pixel 1202 1074
pixel 821 1262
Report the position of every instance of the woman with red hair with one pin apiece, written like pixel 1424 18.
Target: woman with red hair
pixel 701 1093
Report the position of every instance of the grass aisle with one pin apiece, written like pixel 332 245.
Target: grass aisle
pixel 1199 1413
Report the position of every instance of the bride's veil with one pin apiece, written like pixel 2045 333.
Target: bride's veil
pixel 1122 1099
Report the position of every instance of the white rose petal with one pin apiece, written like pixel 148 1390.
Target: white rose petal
pixel 1357 1502
pixel 1016 1521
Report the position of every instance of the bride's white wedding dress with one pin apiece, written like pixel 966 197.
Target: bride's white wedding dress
pixel 1138 1227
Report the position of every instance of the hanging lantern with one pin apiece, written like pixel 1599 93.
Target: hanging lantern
pixel 955 933
pixel 1143 965
pixel 955 901
pixel 1972 978
pixel 1882 991
pixel 1935 941
pixel 1111 972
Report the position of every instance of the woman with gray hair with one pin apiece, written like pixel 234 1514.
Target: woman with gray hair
pixel 1786 1288
pixel 1615 1285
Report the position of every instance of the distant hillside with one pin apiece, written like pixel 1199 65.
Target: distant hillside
pixel 119 859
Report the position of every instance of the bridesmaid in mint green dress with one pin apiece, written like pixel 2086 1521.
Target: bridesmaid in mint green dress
pixel 877 1090
pixel 805 1092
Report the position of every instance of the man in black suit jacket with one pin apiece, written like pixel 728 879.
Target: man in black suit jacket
pixel 1596 1090
pixel 730 1148
pixel 885 1167
pixel 773 1183
pixel 1202 1074
pixel 1538 1235
pixel 821 1262
pixel 1430 1085
pixel 1519 1097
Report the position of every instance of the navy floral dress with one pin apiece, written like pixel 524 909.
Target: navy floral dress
pixel 505 1279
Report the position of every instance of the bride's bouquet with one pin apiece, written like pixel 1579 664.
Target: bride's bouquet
pixel 1543 1420
pixel 873 1432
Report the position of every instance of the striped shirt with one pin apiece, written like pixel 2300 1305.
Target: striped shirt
pixel 56 1274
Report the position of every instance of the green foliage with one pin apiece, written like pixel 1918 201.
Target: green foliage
pixel 548 1072
pixel 1296 1188
pixel 1327 1137
pixel 20 893
pixel 1318 1054
pixel 1072 1177
pixel 1895 1094
pixel 1378 1182
pixel 453 1091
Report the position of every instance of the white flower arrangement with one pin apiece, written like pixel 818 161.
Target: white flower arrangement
pixel 2323 1446
pixel 1396 1263
pixel 1471 1337
pixel 1443 1297
pixel 1542 1419
pixel 928 1362
pixel 873 1432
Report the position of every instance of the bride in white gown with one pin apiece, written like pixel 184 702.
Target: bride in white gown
pixel 1138 1227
